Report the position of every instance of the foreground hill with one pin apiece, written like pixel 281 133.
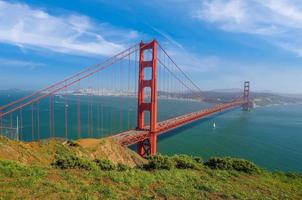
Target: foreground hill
pixel 45 152
pixel 101 169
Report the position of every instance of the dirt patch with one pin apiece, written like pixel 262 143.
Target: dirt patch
pixel 111 150
pixel 39 153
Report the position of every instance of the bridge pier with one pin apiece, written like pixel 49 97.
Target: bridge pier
pixel 147 146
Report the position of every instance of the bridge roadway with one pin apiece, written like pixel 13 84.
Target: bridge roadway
pixel 134 136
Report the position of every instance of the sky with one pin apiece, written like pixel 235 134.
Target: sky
pixel 219 43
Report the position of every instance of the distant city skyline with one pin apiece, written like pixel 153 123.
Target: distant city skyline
pixel 220 44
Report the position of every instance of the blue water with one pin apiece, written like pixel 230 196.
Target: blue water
pixel 269 136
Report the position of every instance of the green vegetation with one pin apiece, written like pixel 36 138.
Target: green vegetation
pixel 228 163
pixel 176 161
pixel 73 175
pixel 72 162
pixel 158 162
pixel 176 177
pixel 105 165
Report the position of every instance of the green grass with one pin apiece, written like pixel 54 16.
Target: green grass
pixel 184 178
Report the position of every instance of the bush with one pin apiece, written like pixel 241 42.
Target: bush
pixel 72 162
pixel 13 169
pixel 159 162
pixel 198 160
pixel 105 165
pixel 122 167
pixel 246 166
pixel 72 143
pixel 293 175
pixel 218 163
pixel 232 164
pixel 187 162
pixel 176 161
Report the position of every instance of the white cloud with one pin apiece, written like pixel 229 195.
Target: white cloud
pixel 216 72
pixel 263 76
pixel 278 21
pixel 191 62
pixel 167 37
pixel 20 64
pixel 25 27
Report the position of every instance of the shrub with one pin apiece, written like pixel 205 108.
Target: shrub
pixel 187 162
pixel 232 164
pixel 122 167
pixel 159 162
pixel 72 162
pixel 218 163
pixel 11 169
pixel 105 165
pixel 177 161
pixel 293 175
pixel 14 169
pixel 198 159
pixel 246 166
pixel 72 143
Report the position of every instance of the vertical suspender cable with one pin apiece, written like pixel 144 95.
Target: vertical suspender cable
pixel 11 125
pixel 102 112
pixel 79 110
pixel 0 122
pixel 38 119
pixel 88 112
pixel 66 112
pixel 98 104
pixel 128 95
pixel 112 108
pixel 120 94
pixel 50 117
pixel 53 102
pixel 91 112
pixel 21 124
pixel 32 122
pixel 136 82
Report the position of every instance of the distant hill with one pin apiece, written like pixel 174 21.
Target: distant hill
pixel 261 98
pixel 232 90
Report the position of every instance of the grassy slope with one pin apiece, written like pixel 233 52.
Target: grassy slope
pixel 45 151
pixel 23 182
pixel 41 181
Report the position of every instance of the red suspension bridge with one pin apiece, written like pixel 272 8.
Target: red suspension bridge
pixel 132 97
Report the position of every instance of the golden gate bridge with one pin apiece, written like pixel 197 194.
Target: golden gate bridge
pixel 122 97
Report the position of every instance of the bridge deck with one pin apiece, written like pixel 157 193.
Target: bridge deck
pixel 134 136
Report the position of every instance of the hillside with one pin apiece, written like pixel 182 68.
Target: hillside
pixel 43 153
pixel 55 169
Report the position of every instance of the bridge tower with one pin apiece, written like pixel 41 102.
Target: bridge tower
pixel 147 146
pixel 246 96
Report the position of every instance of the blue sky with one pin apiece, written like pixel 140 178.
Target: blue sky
pixel 219 43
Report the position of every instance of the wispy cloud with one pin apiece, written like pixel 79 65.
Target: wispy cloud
pixel 191 62
pixel 20 64
pixel 279 21
pixel 168 38
pixel 230 73
pixel 25 27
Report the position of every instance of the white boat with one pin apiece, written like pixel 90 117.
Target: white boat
pixel 214 125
